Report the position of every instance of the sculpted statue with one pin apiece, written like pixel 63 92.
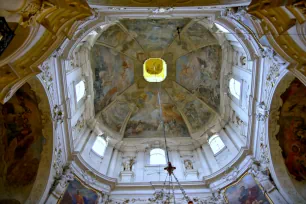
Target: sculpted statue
pixel 127 165
pixel 66 177
pixel 188 165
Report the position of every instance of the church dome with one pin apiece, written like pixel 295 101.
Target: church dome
pixel 127 105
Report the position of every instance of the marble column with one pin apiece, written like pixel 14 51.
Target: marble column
pixel 212 162
pixel 112 165
pixel 203 162
pixel 139 168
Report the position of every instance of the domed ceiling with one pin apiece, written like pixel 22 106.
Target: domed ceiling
pixel 190 95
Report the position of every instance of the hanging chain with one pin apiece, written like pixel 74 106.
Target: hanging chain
pixel 182 189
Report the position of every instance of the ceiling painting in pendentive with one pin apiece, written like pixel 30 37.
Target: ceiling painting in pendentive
pixel 200 36
pixel 114 36
pixel 154 34
pixel 113 72
pixel 120 40
pixel 145 121
pixel 21 142
pixel 292 133
pixel 180 46
pixel 115 115
pixel 195 111
pixel 199 72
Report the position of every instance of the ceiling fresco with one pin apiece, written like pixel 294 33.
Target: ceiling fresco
pixel 292 133
pixel 115 115
pixel 156 34
pixel 196 112
pixel 145 121
pixel 113 73
pixel 129 104
pixel 199 72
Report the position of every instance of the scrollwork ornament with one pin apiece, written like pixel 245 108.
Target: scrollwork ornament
pixel 262 112
pixel 58 114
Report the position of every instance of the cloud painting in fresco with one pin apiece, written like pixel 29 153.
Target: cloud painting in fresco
pixel 154 34
pixel 145 121
pixel 199 71
pixel 113 73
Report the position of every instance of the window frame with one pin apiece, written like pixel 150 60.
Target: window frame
pixel 94 151
pixel 213 137
pixel 233 97
pixel 82 99
pixel 164 155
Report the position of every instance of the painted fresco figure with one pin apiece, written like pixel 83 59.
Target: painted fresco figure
pixel 79 198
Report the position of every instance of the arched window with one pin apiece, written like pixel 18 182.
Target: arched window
pixel 80 90
pixel 157 156
pixel 216 144
pixel 235 88
pixel 99 146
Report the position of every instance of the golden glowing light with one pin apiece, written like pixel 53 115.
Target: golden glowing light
pixel 154 70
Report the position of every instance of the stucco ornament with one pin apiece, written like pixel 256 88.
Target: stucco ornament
pixel 63 181
pixel 47 76
pixel 160 197
pixel 237 13
pixel 216 198
pixel 89 177
pixel 232 175
pixel 262 112
pixel 261 174
pixel 58 114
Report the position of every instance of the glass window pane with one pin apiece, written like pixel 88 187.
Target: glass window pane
pixel 157 156
pixel 99 146
pixel 80 90
pixel 216 144
pixel 234 87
